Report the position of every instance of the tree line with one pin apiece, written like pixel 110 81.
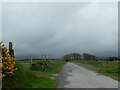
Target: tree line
pixel 78 56
pixel 86 57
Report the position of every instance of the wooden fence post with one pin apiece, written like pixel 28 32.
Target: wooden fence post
pixel 30 59
pixel 11 51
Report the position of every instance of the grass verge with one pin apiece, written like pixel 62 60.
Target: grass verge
pixel 26 78
pixel 108 68
pixel 48 66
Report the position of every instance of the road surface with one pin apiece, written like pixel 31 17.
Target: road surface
pixel 74 76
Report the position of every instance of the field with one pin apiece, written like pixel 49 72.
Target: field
pixel 108 68
pixel 34 78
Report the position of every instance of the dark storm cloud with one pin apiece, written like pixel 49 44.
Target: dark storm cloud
pixel 59 28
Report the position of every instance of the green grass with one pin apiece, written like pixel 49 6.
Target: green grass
pixel 26 78
pixel 50 66
pixel 17 80
pixel 108 68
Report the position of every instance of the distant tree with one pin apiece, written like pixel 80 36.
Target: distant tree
pixel 89 57
pixel 118 58
pixel 65 57
pixel 72 56
pixel 113 59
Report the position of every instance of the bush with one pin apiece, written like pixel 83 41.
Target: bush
pixel 41 65
pixel 8 62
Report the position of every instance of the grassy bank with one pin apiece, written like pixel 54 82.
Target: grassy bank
pixel 47 66
pixel 108 68
pixel 26 78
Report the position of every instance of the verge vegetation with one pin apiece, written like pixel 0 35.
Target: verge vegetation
pixel 28 76
pixel 108 68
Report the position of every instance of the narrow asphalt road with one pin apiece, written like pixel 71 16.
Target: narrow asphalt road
pixel 74 76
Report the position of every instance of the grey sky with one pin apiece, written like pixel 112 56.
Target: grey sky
pixel 0 22
pixel 59 28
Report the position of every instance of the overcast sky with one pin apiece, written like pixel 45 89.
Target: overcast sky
pixel 56 29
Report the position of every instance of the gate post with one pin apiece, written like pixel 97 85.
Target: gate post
pixel 11 50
